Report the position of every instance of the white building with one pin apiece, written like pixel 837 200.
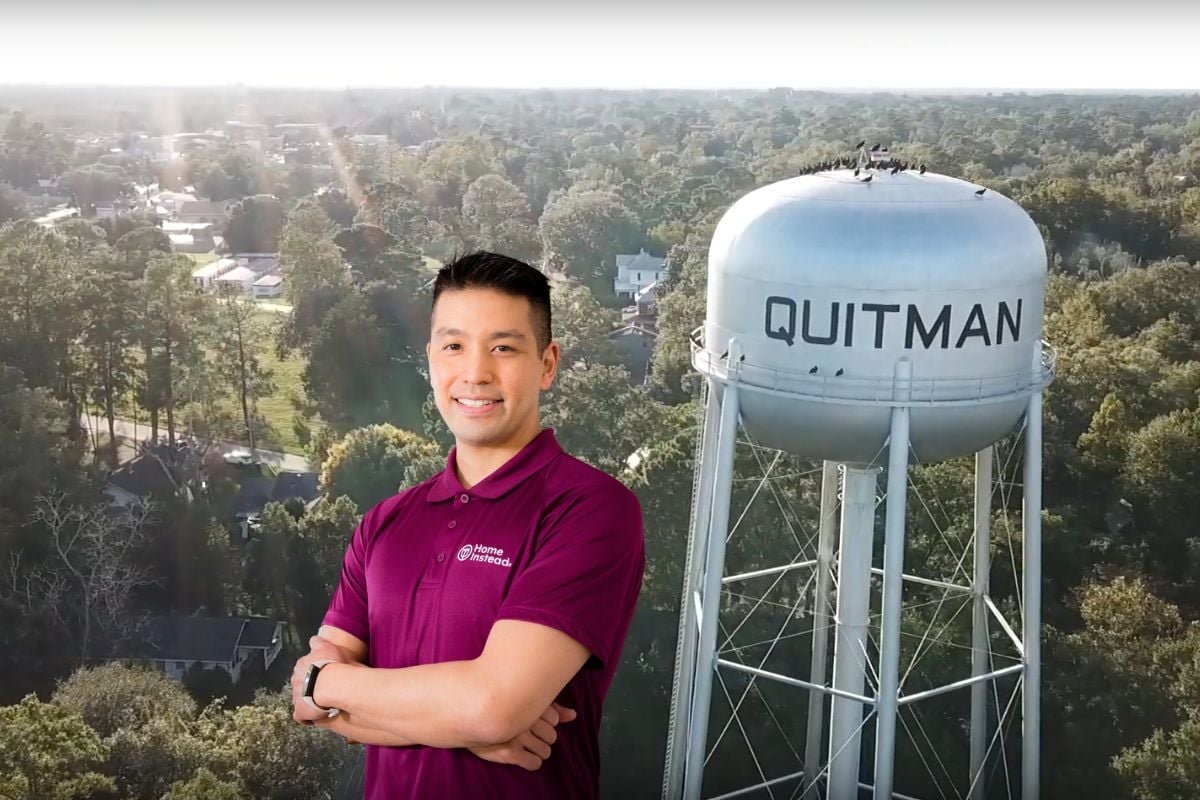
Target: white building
pixel 206 276
pixel 638 272
pixel 269 285
pixel 241 277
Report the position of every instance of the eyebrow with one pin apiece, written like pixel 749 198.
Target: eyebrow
pixel 511 334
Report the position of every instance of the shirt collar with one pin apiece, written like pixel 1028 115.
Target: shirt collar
pixel 534 456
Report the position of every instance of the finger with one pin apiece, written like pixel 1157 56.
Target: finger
pixel 534 745
pixel 544 731
pixel 526 760
pixel 565 714
pixel 550 715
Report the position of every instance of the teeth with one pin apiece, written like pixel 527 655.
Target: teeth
pixel 475 403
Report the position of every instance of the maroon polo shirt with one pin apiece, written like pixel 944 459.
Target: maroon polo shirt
pixel 546 539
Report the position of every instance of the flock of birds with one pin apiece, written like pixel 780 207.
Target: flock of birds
pixel 869 162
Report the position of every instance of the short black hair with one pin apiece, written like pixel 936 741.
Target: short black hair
pixel 486 270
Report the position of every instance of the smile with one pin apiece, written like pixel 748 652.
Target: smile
pixel 468 403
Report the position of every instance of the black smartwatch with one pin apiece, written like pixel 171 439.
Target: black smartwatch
pixel 310 687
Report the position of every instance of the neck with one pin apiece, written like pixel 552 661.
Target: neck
pixel 473 463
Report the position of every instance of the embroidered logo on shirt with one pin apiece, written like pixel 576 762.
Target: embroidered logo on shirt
pixel 479 552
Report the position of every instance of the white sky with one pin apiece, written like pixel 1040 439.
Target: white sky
pixel 1152 44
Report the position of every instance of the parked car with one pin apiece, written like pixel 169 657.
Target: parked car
pixel 239 456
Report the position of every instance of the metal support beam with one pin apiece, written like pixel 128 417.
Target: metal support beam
pixel 1032 590
pixel 979 618
pixel 821 617
pixel 689 606
pixel 888 695
pixel 714 567
pixel 850 646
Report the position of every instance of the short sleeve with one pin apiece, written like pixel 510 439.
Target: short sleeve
pixel 348 607
pixel 586 574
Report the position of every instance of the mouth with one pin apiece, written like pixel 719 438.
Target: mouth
pixel 476 405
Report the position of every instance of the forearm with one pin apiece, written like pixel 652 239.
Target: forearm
pixel 440 705
pixel 352 729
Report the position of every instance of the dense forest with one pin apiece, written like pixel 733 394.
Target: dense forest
pixel 100 317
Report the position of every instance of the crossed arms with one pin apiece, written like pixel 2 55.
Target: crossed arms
pixel 496 704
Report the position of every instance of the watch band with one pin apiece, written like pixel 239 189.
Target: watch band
pixel 310 686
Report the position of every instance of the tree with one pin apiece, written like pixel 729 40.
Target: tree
pixel 204 785
pixel 48 752
pixel 95 184
pixel 137 246
pixel 375 462
pixel 174 315
pixel 582 231
pixel 338 207
pixel 114 696
pixel 239 329
pixel 497 218
pixel 581 326
pixel 92 574
pixel 255 225
pixel 259 747
pixel 144 718
pixel 108 309
pixel 12 204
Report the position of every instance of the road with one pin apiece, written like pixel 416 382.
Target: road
pixel 132 432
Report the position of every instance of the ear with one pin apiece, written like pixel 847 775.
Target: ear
pixel 550 357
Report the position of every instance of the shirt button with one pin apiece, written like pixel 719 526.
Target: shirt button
pixel 441 557
pixel 464 497
pixel 452 523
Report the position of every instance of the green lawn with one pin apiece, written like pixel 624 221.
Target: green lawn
pixel 278 409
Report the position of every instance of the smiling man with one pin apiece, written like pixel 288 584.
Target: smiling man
pixel 481 614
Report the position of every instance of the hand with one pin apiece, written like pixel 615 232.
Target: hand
pixel 529 749
pixel 321 650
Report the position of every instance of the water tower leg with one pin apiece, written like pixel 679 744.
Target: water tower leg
pixel 850 644
pixel 822 618
pixel 979 621
pixel 710 598
pixel 893 584
pixel 1032 585
pixel 689 634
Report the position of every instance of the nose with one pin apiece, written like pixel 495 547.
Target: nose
pixel 478 367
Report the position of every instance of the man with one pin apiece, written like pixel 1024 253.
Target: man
pixel 480 609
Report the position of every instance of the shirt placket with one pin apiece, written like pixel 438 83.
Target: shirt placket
pixel 452 528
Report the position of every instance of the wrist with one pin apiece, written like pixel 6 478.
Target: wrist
pixel 328 691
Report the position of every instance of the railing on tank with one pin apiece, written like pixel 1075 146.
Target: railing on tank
pixel 942 390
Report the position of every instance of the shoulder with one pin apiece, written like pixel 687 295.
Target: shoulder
pixel 576 489
pixel 380 516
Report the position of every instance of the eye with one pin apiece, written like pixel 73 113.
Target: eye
pixel 506 347
pixel 447 347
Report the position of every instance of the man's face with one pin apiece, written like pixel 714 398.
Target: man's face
pixel 485 366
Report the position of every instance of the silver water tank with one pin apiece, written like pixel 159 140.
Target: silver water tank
pixel 827 281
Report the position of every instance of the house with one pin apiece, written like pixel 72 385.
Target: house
pixel 239 276
pixel 206 276
pixel 214 211
pixel 175 644
pixel 237 131
pixel 635 343
pixel 258 263
pixel 644 311
pixel 637 272
pixel 190 237
pixel 258 490
pixel 269 285
pixel 158 471
pixel 294 133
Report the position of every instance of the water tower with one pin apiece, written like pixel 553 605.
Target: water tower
pixel 867 317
